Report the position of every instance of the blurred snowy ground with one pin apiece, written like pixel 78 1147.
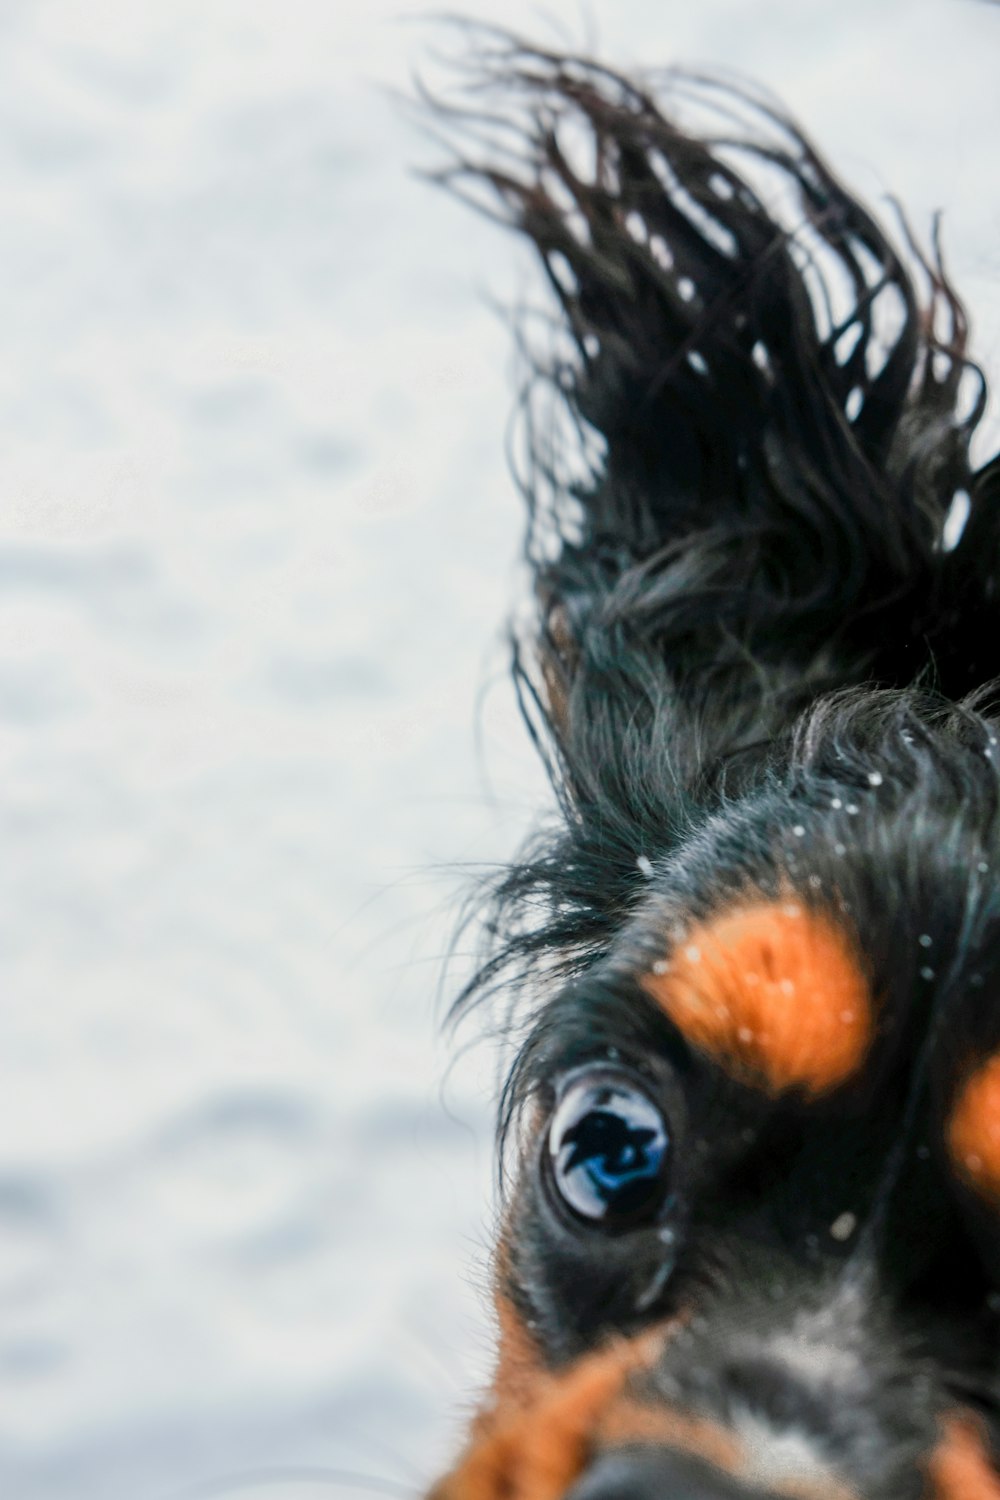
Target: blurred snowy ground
pixel 256 541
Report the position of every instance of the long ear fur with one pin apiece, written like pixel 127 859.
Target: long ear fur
pixel 777 406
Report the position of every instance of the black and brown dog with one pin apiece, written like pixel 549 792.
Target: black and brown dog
pixel 751 1247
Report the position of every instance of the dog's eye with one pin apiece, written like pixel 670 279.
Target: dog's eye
pixel 609 1150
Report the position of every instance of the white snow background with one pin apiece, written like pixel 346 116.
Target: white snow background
pixel 257 541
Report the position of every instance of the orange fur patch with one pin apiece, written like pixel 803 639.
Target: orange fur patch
pixel 974 1129
pixel 774 992
pixel 535 1453
pixel 960 1467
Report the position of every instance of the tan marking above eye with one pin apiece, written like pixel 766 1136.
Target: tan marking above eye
pixel 973 1130
pixel 774 992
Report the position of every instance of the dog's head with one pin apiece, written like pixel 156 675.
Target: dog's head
pixel 751 1245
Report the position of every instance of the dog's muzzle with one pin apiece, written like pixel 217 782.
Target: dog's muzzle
pixel 657 1474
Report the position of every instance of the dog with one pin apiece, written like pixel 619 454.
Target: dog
pixel 750 1234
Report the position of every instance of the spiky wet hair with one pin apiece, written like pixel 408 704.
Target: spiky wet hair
pixel 776 405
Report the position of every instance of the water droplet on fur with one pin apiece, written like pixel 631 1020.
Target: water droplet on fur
pixel 645 866
pixel 815 882
pixel 982 867
pixel 799 831
pixel 852 809
pixel 836 804
pixel 787 987
pixel 654 1287
pixel 693 952
pixel 843 1226
pixel 660 966
pixel 924 940
pixel 874 778
pixel 840 848
pixel 760 356
pixel 927 972
pixel 847 1016
pixel 973 1162
pixel 745 1034
pixel 793 911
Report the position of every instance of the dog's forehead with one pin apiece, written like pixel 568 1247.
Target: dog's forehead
pixel 887 897
pixel 826 971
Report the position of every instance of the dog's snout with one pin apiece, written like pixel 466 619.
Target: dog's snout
pixel 649 1473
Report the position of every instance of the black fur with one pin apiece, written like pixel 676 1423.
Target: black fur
pixel 760 660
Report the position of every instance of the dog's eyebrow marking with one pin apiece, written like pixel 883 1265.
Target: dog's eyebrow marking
pixel 774 992
pixel 959 1467
pixel 973 1131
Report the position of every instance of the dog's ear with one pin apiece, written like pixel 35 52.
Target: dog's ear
pixel 965 634
pixel 766 414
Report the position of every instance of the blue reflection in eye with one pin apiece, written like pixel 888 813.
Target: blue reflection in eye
pixel 609 1150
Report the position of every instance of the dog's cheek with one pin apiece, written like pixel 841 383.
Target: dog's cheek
pixel 559 1293
pixel 534 1448
pixel 519 1363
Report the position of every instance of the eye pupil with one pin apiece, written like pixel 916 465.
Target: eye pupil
pixel 608 1151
